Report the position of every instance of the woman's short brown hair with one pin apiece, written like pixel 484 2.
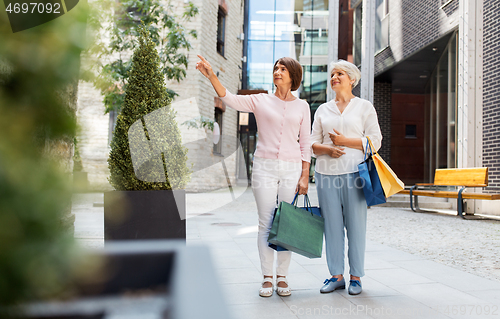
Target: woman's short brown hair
pixel 294 69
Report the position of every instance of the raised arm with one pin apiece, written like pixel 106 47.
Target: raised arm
pixel 244 103
pixel 206 69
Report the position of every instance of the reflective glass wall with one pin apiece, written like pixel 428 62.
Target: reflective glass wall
pixel 289 28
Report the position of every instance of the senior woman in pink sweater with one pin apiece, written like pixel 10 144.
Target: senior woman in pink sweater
pixel 282 158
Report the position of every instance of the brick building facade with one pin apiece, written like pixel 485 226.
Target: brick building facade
pixel 382 104
pixel 437 83
pixel 491 95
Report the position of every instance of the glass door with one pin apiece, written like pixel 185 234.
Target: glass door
pixel 441 113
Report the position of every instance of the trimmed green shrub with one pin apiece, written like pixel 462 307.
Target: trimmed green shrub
pixel 146 93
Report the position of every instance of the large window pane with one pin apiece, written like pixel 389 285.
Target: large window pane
pixel 284 17
pixel 315 42
pixel 261 20
pixel 381 25
pixel 260 65
pixel 314 84
pixel 358 16
pixel 284 49
pixel 321 5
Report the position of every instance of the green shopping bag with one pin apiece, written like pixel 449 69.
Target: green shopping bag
pixel 298 230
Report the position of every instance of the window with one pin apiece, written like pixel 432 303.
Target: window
pixel 381 25
pixel 221 30
pixel 314 83
pixel 358 15
pixel 410 131
pixel 218 120
pixel 315 42
pixel 315 5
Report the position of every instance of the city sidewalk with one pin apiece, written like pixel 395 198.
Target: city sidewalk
pixel 397 284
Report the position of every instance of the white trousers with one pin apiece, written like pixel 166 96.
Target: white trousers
pixel 271 179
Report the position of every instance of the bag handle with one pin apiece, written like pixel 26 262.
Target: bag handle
pixel 366 149
pixel 307 203
pixel 372 148
pixel 294 202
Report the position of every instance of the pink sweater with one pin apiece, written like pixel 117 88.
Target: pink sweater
pixel 284 127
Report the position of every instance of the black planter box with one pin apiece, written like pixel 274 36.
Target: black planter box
pixel 132 215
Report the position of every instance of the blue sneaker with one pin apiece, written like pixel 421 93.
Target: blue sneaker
pixel 354 287
pixel 332 284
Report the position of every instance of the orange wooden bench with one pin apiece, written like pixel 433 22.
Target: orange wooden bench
pixel 460 179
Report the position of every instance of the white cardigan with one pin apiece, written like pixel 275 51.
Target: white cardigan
pixel 359 119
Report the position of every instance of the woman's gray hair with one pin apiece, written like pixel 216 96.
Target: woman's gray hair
pixel 349 68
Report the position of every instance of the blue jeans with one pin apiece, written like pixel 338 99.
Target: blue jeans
pixel 343 206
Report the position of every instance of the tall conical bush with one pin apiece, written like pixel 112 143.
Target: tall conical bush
pixel 145 94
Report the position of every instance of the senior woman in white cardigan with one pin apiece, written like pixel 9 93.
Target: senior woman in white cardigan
pixel 339 138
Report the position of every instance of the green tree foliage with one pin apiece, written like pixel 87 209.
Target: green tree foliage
pixel 145 94
pixel 167 32
pixel 36 67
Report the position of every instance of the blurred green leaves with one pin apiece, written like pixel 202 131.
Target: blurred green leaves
pixel 38 79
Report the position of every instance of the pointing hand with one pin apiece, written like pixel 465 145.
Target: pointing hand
pixel 204 67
